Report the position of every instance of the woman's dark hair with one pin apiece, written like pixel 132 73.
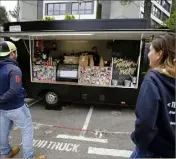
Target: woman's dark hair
pixel 166 44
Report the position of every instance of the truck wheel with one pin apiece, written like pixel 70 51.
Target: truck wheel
pixel 52 101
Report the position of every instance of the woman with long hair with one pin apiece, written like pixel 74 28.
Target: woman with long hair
pixel 154 134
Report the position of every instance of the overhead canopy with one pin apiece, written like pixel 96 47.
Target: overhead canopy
pixel 95 35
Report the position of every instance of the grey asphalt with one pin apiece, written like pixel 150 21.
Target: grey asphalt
pixel 112 125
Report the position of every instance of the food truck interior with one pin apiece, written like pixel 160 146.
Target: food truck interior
pixel 86 62
pixel 82 67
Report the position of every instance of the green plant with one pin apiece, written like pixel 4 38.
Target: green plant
pixel 48 18
pixel 73 17
pixel 125 2
pixel 69 17
pixel 171 21
pixel 99 11
pixel 4 18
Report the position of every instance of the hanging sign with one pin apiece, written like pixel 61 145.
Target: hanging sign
pixel 15 28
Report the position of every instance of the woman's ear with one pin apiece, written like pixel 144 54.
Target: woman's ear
pixel 160 55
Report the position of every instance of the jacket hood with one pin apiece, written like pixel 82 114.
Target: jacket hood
pixel 167 81
pixel 8 61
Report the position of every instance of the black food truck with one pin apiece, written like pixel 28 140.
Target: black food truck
pixel 82 61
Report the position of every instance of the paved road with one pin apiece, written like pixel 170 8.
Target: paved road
pixel 80 132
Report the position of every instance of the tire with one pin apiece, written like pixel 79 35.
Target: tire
pixel 52 101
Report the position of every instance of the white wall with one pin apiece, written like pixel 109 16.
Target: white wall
pixel 106 9
pixel 132 10
pixel 116 10
pixel 125 11
pixel 68 46
pixel 28 10
pixel 61 17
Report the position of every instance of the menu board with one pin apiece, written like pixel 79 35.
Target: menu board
pixel 123 69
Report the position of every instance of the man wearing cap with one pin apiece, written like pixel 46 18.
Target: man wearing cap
pixel 12 106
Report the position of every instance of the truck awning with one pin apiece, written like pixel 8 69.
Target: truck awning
pixel 95 35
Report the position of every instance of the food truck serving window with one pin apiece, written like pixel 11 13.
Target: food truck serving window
pixel 108 63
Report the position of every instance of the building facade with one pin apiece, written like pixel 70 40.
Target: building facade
pixel 160 10
pixel 33 10
pixel 87 9
pixel 28 10
pixel 83 10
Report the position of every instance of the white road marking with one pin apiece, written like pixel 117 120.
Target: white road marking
pixel 82 138
pixel 96 132
pixel 40 143
pixel 109 152
pixel 127 133
pixel 36 126
pixel 61 146
pixel 48 132
pixel 30 105
pixel 86 123
pixel 40 124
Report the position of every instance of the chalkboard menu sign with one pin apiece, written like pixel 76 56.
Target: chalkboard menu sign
pixel 123 69
pixel 125 56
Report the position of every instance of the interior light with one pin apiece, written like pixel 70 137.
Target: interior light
pixel 77 41
pixel 14 38
pixel 65 34
pixel 123 102
pixel 85 34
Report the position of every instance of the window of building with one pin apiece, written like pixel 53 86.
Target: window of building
pixel 154 23
pixel 159 2
pixel 50 8
pixel 75 8
pixel 142 15
pixel 82 8
pixel 156 12
pixel 142 4
pixel 166 5
pixel 56 9
pixel 164 17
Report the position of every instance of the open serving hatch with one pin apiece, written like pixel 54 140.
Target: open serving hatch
pixel 81 36
pixel 92 35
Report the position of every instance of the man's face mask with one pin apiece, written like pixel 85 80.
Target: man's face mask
pixel 54 48
pixel 15 54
